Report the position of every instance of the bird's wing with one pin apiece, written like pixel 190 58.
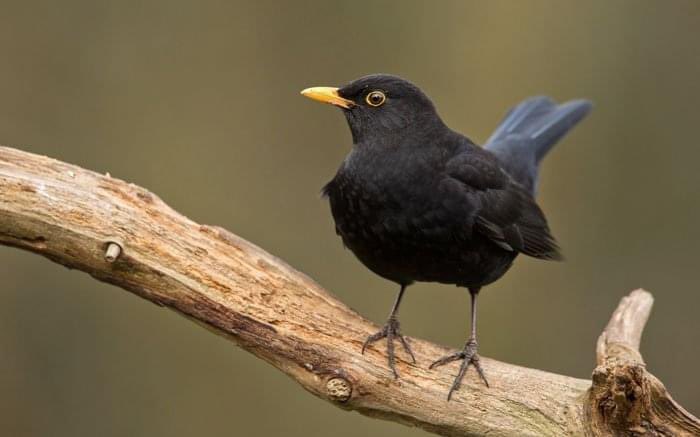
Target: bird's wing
pixel 503 211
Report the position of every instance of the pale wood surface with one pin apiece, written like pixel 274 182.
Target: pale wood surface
pixel 124 235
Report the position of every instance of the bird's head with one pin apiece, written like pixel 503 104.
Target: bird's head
pixel 381 108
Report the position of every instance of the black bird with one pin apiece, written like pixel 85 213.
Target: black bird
pixel 417 201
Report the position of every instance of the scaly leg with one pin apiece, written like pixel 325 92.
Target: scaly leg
pixel 468 355
pixel 391 331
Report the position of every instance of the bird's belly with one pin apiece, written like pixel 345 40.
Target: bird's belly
pixel 408 236
pixel 405 259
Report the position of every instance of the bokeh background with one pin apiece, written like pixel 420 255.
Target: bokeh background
pixel 198 101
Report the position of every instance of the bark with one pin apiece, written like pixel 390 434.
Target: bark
pixel 124 235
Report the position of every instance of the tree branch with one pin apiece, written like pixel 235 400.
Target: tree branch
pixel 124 235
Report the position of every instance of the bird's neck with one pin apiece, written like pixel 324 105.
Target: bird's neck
pixel 415 134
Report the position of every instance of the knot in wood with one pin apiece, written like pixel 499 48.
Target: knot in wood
pixel 339 389
pixel 620 394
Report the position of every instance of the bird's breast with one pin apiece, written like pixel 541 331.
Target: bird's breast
pixel 394 229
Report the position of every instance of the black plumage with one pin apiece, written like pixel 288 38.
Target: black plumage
pixel 417 201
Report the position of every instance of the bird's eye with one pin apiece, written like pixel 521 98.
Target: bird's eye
pixel 375 98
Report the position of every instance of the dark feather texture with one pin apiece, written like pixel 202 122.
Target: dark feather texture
pixel 416 201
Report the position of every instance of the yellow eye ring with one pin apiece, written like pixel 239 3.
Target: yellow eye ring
pixel 375 98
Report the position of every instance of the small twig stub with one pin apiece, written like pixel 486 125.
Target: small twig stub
pixel 113 251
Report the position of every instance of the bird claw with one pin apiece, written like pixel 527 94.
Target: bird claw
pixel 390 331
pixel 469 356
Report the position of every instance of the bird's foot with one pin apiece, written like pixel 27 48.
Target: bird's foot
pixel 468 356
pixel 391 332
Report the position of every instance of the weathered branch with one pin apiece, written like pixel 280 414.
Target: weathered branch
pixel 122 234
pixel 624 396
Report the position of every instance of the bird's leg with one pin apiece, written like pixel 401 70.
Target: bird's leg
pixel 391 331
pixel 468 355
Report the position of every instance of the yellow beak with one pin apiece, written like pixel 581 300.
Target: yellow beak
pixel 326 94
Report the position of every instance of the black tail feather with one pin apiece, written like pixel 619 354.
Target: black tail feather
pixel 530 130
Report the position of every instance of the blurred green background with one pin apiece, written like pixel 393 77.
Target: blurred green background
pixel 199 102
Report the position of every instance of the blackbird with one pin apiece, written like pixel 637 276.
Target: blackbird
pixel 417 201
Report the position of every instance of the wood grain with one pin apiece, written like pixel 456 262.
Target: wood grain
pixel 124 235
